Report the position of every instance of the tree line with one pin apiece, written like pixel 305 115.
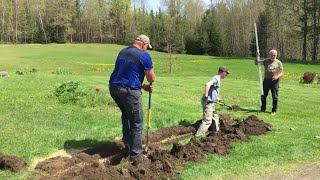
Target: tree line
pixel 224 28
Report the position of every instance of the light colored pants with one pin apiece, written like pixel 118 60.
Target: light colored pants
pixel 209 114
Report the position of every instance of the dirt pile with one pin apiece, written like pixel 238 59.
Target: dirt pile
pixel 110 161
pixel 309 77
pixel 12 163
pixel 253 126
pixel 235 108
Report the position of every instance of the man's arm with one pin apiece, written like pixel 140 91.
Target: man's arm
pixel 148 67
pixel 256 60
pixel 278 76
pixel 150 75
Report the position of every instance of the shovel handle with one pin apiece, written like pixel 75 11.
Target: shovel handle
pixel 149 108
pixel 149 120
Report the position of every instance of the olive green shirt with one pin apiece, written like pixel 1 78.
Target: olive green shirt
pixel 271 68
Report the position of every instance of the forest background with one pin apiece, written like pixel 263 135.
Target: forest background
pixel 224 28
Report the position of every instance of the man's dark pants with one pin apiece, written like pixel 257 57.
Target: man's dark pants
pixel 273 85
pixel 130 104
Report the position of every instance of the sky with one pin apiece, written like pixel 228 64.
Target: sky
pixel 154 4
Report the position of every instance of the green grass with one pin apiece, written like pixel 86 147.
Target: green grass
pixel 34 124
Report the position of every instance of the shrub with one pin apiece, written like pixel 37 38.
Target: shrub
pixel 26 71
pixel 75 93
pixel 70 92
pixel 62 71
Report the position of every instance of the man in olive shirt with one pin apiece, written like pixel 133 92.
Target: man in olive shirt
pixel 273 71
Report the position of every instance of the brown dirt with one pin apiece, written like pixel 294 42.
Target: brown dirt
pixel 109 161
pixel 235 108
pixel 309 77
pixel 12 163
pixel 253 126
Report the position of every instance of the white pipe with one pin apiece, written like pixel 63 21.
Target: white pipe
pixel 258 59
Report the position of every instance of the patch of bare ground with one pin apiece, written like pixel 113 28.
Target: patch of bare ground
pixel 110 161
pixel 12 163
pixel 303 172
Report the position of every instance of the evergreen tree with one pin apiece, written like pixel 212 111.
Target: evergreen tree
pixel 210 35
pixel 263 31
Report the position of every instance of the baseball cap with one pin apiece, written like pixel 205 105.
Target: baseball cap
pixel 224 69
pixel 144 39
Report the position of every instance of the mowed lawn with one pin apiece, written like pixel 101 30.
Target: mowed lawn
pixel 34 124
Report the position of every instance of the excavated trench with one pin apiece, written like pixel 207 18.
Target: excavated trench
pixel 165 159
pixel 110 161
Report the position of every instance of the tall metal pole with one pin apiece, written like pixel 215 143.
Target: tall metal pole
pixel 258 59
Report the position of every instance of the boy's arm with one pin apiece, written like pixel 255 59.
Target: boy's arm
pixel 207 87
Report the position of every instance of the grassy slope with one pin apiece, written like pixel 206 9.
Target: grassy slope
pixel 33 124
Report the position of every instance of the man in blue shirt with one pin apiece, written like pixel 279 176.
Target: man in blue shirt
pixel 211 95
pixel 132 65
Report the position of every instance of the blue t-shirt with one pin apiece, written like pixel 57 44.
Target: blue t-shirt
pixel 129 68
pixel 214 88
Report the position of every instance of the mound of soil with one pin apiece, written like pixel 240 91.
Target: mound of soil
pixel 12 163
pixel 235 108
pixel 309 77
pixel 110 161
pixel 253 126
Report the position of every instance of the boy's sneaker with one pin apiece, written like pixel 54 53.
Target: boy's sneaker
pixel 200 135
pixel 273 113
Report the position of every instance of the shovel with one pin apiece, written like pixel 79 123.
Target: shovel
pixel 149 121
pixel 223 104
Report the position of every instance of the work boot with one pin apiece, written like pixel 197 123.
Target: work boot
pixel 137 157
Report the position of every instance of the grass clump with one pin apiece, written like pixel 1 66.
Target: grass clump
pixel 74 92
pixel 24 71
pixel 62 71
pixel 70 92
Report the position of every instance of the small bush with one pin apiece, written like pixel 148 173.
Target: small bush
pixel 75 93
pixel 26 71
pixel 70 92
pixel 309 77
pixel 62 71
